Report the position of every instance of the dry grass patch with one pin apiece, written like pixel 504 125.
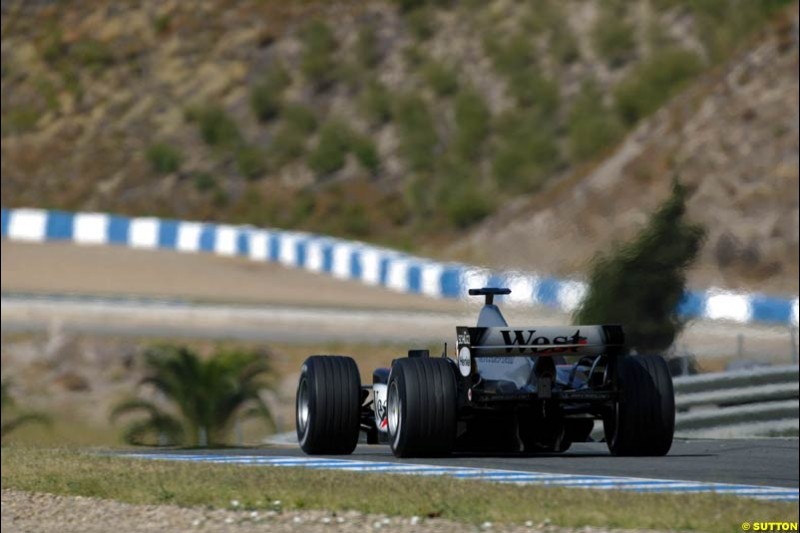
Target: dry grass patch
pixel 84 473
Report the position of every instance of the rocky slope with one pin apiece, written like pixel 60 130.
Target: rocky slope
pixel 733 138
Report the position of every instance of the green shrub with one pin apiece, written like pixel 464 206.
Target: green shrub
pixel 549 18
pixel 525 154
pixel 299 117
pixel 417 197
pixel 317 36
pixel 542 16
pixel 277 76
pixel 220 198
pixel 48 90
pixel 162 23
pixel 465 206
pixel 303 206
pixel 285 146
pixel 374 102
pixel 421 23
pixel 266 96
pixel 723 25
pixel 456 193
pixel 613 37
pixel 591 126
pixel 53 47
pixel 641 283
pixel 367 49
pixel 317 62
pixel 512 55
pixel 351 75
pixel 91 53
pixel 417 132
pixel 297 123
pixel 20 119
pixel 524 164
pixel 472 124
pixel 329 154
pixel 563 44
pixel 217 128
pixel 355 221
pixel 531 89
pixel 657 36
pixel 414 56
pixel 164 158
pixel 72 81
pixel 515 59
pixel 204 182
pixel 250 162
pixel 265 101
pixel 366 153
pixel 441 78
pixel 653 82
pixel 336 140
pixel 408 5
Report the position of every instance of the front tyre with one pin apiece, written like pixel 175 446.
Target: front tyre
pixel 643 421
pixel 328 405
pixel 421 407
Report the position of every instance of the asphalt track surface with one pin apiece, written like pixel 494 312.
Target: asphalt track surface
pixel 766 462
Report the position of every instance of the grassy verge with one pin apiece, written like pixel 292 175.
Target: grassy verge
pixel 72 472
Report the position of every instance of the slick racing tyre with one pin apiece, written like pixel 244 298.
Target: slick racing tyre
pixel 328 405
pixel 643 420
pixel 421 407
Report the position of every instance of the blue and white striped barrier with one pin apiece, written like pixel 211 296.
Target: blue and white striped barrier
pixel 485 474
pixel 372 265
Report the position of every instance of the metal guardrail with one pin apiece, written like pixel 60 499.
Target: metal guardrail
pixel 736 379
pixel 747 403
pixel 744 396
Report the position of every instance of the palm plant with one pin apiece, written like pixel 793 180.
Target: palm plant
pixel 11 422
pixel 207 396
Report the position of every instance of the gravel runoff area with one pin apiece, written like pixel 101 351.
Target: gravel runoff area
pixel 44 513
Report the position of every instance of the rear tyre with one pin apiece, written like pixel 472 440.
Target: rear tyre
pixel 643 421
pixel 328 405
pixel 421 407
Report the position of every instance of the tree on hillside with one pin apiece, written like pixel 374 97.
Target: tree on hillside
pixel 207 396
pixel 12 418
pixel 640 283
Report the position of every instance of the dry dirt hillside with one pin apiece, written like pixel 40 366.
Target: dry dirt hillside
pixel 423 124
pixel 733 138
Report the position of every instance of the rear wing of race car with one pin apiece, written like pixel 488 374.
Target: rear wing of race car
pixel 484 342
pixel 542 341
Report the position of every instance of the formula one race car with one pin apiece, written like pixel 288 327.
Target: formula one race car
pixel 508 389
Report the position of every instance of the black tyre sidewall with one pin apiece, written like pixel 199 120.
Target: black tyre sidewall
pixel 643 422
pixel 427 395
pixel 334 405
